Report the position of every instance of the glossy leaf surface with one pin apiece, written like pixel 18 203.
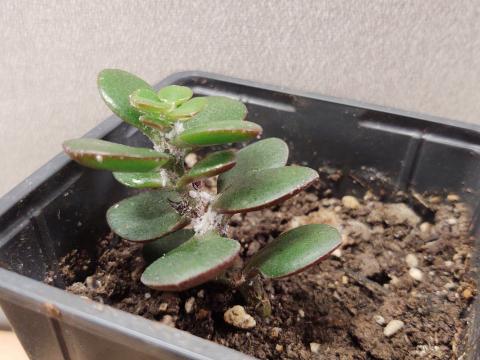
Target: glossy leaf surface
pixel 262 188
pixel 264 154
pixel 217 133
pixel 219 108
pixel 188 109
pixel 295 250
pixel 157 248
pixel 115 88
pixel 157 123
pixel 175 94
pixel 213 164
pixel 146 216
pixel 147 101
pixel 142 180
pixel 194 262
pixel 105 155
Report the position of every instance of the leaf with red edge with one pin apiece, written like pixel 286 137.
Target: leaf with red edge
pixel 188 109
pixel 115 87
pixel 217 133
pixel 143 180
pixel 146 216
pixel 264 154
pixel 147 101
pixel 159 247
pixel 263 188
pixel 175 94
pixel 213 164
pixel 294 251
pixel 105 155
pixel 218 108
pixel 194 262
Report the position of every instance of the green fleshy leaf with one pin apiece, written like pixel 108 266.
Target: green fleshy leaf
pixel 263 188
pixel 175 94
pixel 156 122
pixel 147 101
pixel 194 262
pixel 213 164
pixel 219 108
pixel 146 216
pixel 115 88
pixel 294 251
pixel 105 155
pixel 157 248
pixel 142 180
pixel 188 109
pixel 264 154
pixel 217 133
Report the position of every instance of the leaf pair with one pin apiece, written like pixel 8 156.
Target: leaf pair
pixel 260 178
pixel 172 102
pixel 208 121
pixel 199 258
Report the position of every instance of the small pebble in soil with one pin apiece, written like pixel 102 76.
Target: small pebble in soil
pixel 435 199
pixel 278 348
pixel 451 221
pixel 448 263
pixel 394 280
pixel 275 332
pixel 238 317
pixel 189 304
pixel 425 227
pixel 350 202
pixel 467 293
pixel 400 213
pixel 393 327
pixel 416 274
pixel 301 313
pixel 163 307
pixel 168 320
pixel 449 286
pixel 379 319
pixel 337 253
pixel 191 159
pixel 453 197
pixel 201 294
pixel 314 347
pixel 411 260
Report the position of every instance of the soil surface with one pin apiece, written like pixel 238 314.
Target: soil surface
pixel 399 287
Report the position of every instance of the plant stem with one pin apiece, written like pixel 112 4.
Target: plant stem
pixel 255 295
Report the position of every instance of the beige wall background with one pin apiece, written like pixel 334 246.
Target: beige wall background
pixel 422 56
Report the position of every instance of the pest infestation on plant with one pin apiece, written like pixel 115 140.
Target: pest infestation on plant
pixel 183 225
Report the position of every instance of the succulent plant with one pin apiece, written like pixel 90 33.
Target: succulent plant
pixel 184 226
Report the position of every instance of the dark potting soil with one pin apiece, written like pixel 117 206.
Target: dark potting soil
pixel 399 288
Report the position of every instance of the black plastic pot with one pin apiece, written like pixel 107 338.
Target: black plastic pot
pixel 62 206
